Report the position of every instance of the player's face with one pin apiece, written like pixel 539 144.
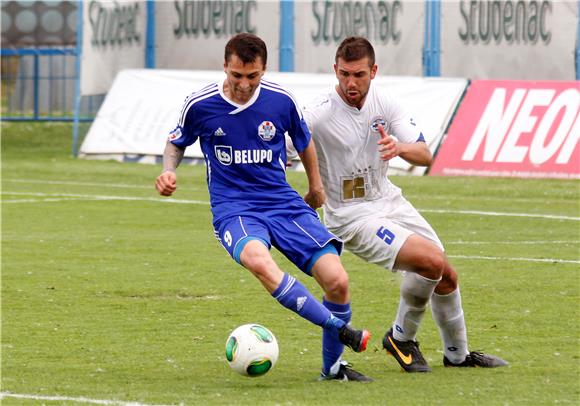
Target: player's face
pixel 242 79
pixel 354 80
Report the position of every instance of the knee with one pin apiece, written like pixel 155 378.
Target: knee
pixel 449 281
pixel 258 261
pixel 434 265
pixel 337 287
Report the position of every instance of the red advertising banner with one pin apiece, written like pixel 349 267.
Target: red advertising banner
pixel 514 128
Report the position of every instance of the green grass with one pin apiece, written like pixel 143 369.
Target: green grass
pixel 132 300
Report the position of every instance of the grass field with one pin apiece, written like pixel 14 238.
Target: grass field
pixel 113 294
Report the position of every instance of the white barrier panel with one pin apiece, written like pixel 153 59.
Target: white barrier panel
pixel 113 40
pixel 510 39
pixel 192 34
pixel 395 28
pixel 142 108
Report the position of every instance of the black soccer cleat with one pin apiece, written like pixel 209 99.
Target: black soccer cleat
pixel 355 339
pixel 346 373
pixel 406 353
pixel 477 359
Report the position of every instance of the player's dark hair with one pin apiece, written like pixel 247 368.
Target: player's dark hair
pixel 248 47
pixel 355 48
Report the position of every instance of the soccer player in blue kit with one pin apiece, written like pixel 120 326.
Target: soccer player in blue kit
pixel 241 125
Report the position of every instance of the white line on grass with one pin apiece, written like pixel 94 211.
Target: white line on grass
pixel 494 199
pixel 132 186
pixel 504 214
pixel 57 197
pixel 73 183
pixel 52 197
pixel 550 260
pixel 509 242
pixel 72 399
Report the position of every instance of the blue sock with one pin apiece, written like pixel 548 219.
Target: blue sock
pixel 294 296
pixel 332 348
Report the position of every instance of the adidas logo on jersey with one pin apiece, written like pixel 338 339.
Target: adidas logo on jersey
pixel 219 132
pixel 300 302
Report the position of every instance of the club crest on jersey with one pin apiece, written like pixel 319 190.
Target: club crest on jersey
pixel 266 130
pixel 224 154
pixel 375 124
pixel 175 134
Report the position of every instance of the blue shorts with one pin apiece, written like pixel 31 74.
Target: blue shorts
pixel 298 235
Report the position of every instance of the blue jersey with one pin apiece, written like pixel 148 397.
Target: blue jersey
pixel 244 147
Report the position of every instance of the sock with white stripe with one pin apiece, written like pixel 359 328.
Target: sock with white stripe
pixel 416 291
pixel 294 296
pixel 332 348
pixel 448 315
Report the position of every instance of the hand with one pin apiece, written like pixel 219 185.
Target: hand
pixel 166 183
pixel 315 197
pixel 389 148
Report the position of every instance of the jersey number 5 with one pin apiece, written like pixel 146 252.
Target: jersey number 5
pixel 385 235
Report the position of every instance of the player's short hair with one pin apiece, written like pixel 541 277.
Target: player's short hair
pixel 248 47
pixel 355 48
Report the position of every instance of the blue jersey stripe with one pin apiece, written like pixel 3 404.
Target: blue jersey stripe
pixel 277 88
pixel 194 98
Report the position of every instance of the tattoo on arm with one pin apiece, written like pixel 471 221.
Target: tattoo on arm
pixel 172 157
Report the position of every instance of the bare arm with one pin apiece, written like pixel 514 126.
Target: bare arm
pixel 416 154
pixel 316 195
pixel 166 183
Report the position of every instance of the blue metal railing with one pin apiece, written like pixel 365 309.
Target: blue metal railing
pixel 38 85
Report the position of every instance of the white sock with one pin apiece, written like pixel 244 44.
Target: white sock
pixel 448 315
pixel 416 291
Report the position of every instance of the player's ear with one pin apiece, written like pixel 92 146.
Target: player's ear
pixel 374 70
pixel 335 69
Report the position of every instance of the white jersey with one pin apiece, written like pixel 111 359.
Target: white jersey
pixel 354 176
pixel 363 207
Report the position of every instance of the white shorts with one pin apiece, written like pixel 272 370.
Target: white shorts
pixel 377 237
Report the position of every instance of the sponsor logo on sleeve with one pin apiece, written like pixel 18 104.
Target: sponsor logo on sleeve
pixel 175 134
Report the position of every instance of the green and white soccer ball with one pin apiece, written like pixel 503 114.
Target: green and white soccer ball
pixel 251 350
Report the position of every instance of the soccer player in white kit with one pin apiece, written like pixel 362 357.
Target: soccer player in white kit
pixel 352 128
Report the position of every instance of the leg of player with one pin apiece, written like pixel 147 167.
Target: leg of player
pixel 424 262
pixel 293 295
pixel 326 268
pixel 448 315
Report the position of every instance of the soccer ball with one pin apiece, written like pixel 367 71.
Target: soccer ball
pixel 251 350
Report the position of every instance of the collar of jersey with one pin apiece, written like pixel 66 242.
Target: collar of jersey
pixel 239 107
pixel 347 106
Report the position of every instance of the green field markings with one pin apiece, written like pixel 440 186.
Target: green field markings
pixel 130 302
pixel 4 395
pixel 531 242
pixel 56 197
pixel 53 197
pixel 549 260
pixel 500 214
